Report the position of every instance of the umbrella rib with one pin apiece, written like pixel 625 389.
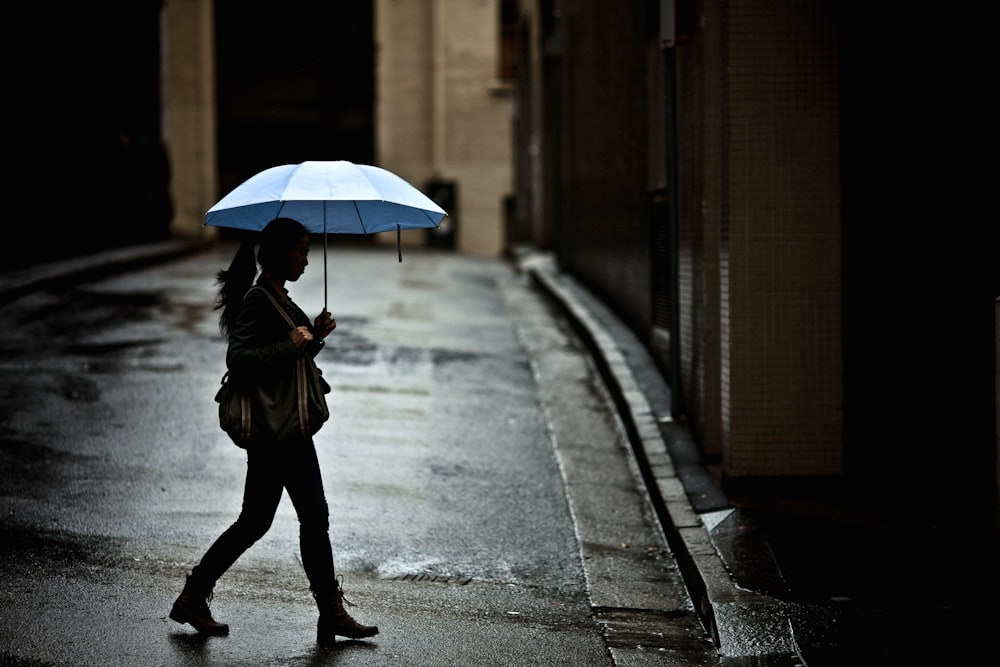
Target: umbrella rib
pixel 360 219
pixel 365 176
pixel 375 188
pixel 429 218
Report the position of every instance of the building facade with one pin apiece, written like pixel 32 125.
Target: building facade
pixel 728 176
pixel 443 113
pixel 441 116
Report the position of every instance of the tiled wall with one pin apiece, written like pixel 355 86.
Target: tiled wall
pixel 779 262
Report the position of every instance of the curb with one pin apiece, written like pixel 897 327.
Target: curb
pixel 712 590
pixel 90 267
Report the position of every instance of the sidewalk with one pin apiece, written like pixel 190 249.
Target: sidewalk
pixel 89 267
pixel 825 579
pixel 828 575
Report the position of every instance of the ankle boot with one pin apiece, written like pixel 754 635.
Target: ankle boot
pixel 334 619
pixel 192 607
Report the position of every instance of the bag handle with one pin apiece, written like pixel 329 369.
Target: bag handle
pixel 291 322
pixel 302 363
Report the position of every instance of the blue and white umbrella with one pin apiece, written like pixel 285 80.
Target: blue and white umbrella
pixel 328 197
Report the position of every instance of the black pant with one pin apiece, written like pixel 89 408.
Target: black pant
pixel 271 468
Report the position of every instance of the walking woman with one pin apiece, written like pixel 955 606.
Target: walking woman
pixel 263 346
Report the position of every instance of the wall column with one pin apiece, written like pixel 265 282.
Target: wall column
pixel 189 131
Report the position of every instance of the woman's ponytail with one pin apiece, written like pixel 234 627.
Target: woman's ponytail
pixel 277 238
pixel 233 285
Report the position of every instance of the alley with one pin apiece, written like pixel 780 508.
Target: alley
pixel 485 507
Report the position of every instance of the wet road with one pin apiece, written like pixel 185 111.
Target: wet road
pixel 485 508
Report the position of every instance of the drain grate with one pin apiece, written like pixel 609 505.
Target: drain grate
pixel 433 578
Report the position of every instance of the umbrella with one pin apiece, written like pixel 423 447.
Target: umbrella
pixel 328 197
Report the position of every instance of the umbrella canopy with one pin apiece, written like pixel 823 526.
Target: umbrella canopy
pixel 328 197
pixel 335 197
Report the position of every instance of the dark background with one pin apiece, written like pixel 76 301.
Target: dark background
pixel 91 166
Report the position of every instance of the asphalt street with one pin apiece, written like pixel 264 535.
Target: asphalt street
pixel 486 506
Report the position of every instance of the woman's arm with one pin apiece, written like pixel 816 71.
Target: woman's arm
pixel 259 342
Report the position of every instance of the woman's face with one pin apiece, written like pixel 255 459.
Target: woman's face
pixel 297 259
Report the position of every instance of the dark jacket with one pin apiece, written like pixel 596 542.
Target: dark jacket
pixel 260 351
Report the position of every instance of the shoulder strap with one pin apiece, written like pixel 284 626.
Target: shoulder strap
pixel 291 322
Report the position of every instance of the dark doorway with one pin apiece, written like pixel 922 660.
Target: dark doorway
pixel 85 124
pixel 294 83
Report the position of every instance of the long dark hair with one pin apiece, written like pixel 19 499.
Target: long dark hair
pixel 279 236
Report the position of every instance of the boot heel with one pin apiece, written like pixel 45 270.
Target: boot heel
pixel 191 607
pixel 334 620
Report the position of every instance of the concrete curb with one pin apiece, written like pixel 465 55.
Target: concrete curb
pixel 713 592
pixel 90 267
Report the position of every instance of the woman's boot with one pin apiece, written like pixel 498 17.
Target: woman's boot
pixel 192 607
pixel 334 619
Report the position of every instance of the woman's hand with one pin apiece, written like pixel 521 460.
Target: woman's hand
pixel 301 336
pixel 324 324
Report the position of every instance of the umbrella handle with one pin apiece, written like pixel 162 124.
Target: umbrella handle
pixel 399 247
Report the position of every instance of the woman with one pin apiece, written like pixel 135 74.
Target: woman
pixel 262 346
